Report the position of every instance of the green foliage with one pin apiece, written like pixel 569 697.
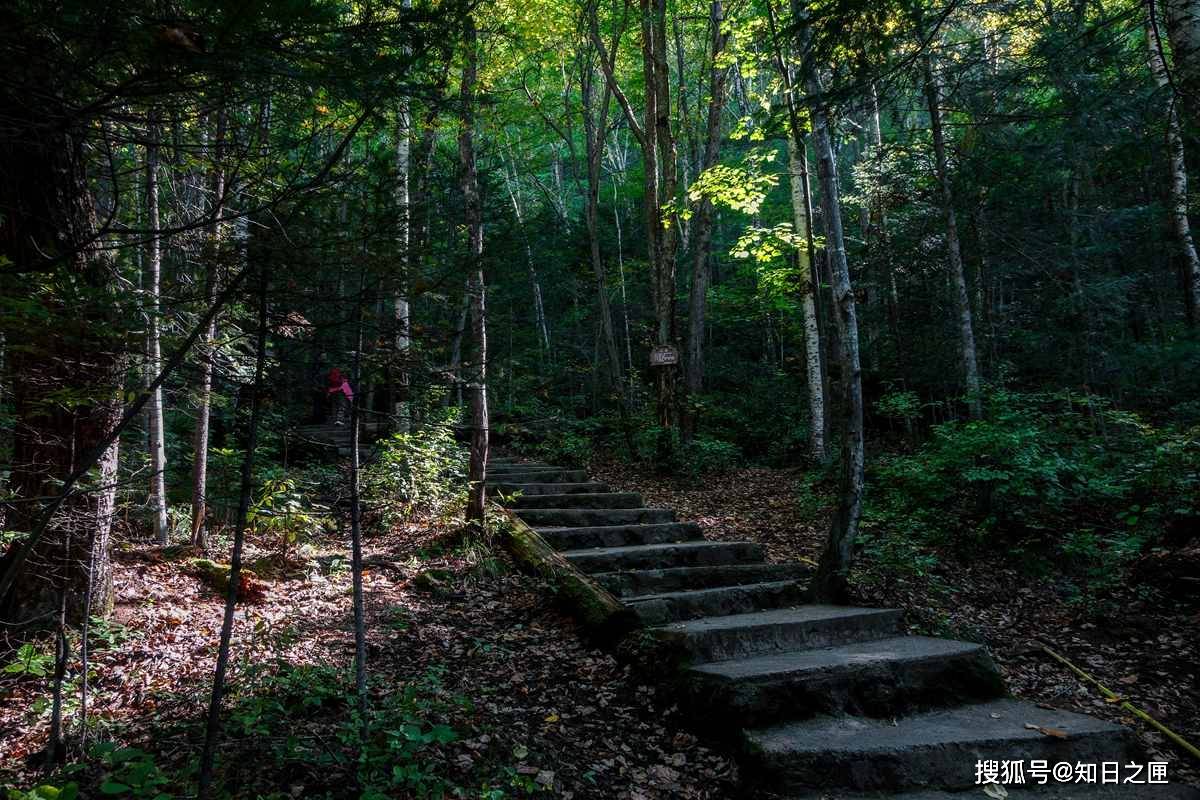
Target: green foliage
pixel 107 634
pixel 402 728
pixel 277 696
pixel 30 661
pixel 130 772
pixel 705 455
pixel 742 188
pixel 1068 476
pixel 284 516
pixel 45 792
pixel 570 447
pixel 902 406
pixel 422 472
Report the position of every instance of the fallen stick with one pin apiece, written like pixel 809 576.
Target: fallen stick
pixel 1187 746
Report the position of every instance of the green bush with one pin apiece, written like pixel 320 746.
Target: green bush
pixel 422 472
pixel 282 515
pixel 571 446
pixel 705 455
pixel 403 727
pixel 1067 476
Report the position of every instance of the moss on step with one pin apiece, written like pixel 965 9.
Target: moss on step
pixel 602 614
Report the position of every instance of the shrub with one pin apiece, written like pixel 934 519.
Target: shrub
pixel 422 472
pixel 707 455
pixel 282 516
pixel 1069 476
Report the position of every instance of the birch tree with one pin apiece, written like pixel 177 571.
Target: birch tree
pixel 1177 185
pixel 830 582
pixel 962 300
pixel 154 410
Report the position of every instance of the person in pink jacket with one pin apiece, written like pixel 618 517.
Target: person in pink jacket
pixel 342 394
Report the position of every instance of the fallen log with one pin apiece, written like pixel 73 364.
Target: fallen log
pixel 604 616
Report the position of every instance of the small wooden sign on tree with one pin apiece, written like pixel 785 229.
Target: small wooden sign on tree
pixel 664 356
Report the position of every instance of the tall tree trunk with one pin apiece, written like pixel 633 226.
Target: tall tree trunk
pixel 803 257
pixel 1183 29
pixel 658 126
pixel 830 583
pixel 401 309
pixel 539 308
pixel 653 132
pixel 703 227
pixel 594 126
pixel 473 208
pixel 802 222
pixel 212 726
pixel 356 558
pixel 624 296
pixel 962 300
pixel 49 233
pixel 456 348
pixel 207 345
pixel 157 440
pixel 1178 184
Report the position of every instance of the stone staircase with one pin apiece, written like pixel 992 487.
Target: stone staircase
pixel 336 438
pixel 823 701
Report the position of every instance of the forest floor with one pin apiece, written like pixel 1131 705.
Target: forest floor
pixel 1141 646
pixel 458 641
pixel 483 686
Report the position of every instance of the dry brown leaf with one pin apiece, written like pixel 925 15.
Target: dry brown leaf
pixel 1046 731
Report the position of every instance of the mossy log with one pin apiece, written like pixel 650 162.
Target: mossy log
pixel 215 575
pixel 602 614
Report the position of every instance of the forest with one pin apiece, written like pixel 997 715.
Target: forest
pixel 349 350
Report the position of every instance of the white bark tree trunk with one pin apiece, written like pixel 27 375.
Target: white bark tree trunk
pixel 539 308
pixel 812 329
pixel 401 308
pixel 1183 29
pixel 962 300
pixel 830 583
pixel 154 411
pixel 207 343
pixel 1178 184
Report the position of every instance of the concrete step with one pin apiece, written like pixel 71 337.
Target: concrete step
pixel 584 517
pixel 779 631
pixel 1051 791
pixel 620 535
pixel 537 476
pixel 657 556
pixel 650 581
pixel 876 678
pixel 528 489
pixel 932 750
pixel 659 609
pixel 580 500
pixel 525 467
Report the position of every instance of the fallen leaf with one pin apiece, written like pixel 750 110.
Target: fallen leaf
pixel 1045 731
